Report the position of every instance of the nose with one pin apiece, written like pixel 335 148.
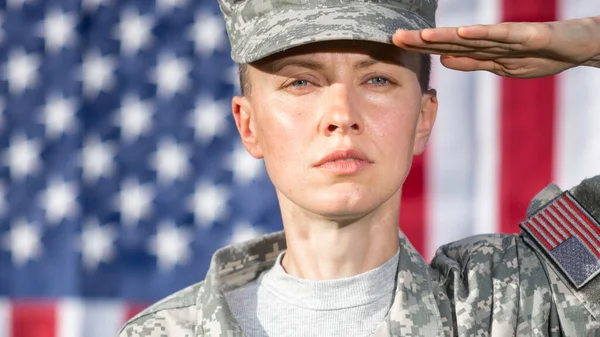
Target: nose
pixel 340 113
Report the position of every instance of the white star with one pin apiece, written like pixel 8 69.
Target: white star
pixel 17 4
pixel 22 156
pixel 170 161
pixel 208 33
pixel 134 117
pixel 245 168
pixel 58 115
pixel 58 29
pixel 209 203
pixel 243 231
pixel 133 31
pixel 170 245
pixel 165 5
pixel 96 244
pixel 97 159
pixel 209 119
pixel 134 202
pixel 21 71
pixel 97 73
pixel 23 241
pixel 3 202
pixel 171 75
pixel 59 200
pixel 92 5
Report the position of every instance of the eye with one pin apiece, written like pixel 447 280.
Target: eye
pixel 378 80
pixel 299 83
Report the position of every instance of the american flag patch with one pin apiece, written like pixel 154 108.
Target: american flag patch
pixel 570 236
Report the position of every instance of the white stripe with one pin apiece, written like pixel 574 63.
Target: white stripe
pixel 567 225
pixel 549 229
pixel 577 141
pixel 487 113
pixel 585 222
pixel 583 235
pixel 547 220
pixel 5 318
pixel 104 318
pixel 90 318
pixel 542 233
pixel 463 151
pixel 69 318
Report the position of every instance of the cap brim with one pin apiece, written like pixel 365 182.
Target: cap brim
pixel 365 21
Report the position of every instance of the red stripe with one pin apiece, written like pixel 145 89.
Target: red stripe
pixel 132 310
pixel 577 230
pixel 583 216
pixel 412 213
pixel 33 319
pixel 545 231
pixel 537 234
pixel 527 126
pixel 556 221
pixel 594 242
pixel 561 220
pixel 539 218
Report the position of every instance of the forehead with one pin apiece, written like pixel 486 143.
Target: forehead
pixel 364 50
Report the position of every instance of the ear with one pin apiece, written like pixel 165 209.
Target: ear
pixel 429 107
pixel 245 122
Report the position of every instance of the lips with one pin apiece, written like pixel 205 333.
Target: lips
pixel 344 161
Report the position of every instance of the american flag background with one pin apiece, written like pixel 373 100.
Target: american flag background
pixel 121 170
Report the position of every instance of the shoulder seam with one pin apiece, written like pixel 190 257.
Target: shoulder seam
pixel 157 308
pixel 151 312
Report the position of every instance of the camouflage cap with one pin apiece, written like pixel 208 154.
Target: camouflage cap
pixel 259 28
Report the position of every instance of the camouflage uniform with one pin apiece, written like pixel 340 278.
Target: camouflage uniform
pixel 487 285
pixel 498 285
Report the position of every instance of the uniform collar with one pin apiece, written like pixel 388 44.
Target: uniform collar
pixel 414 311
pixel 414 308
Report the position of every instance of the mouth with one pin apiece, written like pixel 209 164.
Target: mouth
pixel 344 161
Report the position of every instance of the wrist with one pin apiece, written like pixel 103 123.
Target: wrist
pixel 595 61
pixel 596 21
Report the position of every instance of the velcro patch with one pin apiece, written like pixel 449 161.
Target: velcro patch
pixel 570 236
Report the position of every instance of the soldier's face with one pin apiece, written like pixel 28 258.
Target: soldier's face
pixel 359 103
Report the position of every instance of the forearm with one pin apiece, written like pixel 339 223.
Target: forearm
pixel 595 61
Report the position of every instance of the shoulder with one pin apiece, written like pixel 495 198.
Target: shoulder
pixel 492 245
pixel 486 255
pixel 175 313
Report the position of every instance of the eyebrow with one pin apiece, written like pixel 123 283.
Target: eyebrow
pixel 277 65
pixel 365 64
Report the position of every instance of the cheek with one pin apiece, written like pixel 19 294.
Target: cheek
pixel 280 130
pixel 395 124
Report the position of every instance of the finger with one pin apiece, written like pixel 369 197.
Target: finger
pixel 442 34
pixel 479 46
pixel 407 37
pixel 514 33
pixel 467 46
pixel 475 38
pixel 430 35
pixel 468 64
pixel 479 54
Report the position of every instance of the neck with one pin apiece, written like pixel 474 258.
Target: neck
pixel 322 249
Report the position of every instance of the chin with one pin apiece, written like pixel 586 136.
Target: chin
pixel 344 207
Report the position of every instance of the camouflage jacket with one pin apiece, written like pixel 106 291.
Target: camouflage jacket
pixel 488 285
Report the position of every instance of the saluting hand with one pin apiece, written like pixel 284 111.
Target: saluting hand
pixel 524 49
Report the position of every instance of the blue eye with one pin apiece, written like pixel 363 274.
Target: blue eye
pixel 378 81
pixel 300 83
